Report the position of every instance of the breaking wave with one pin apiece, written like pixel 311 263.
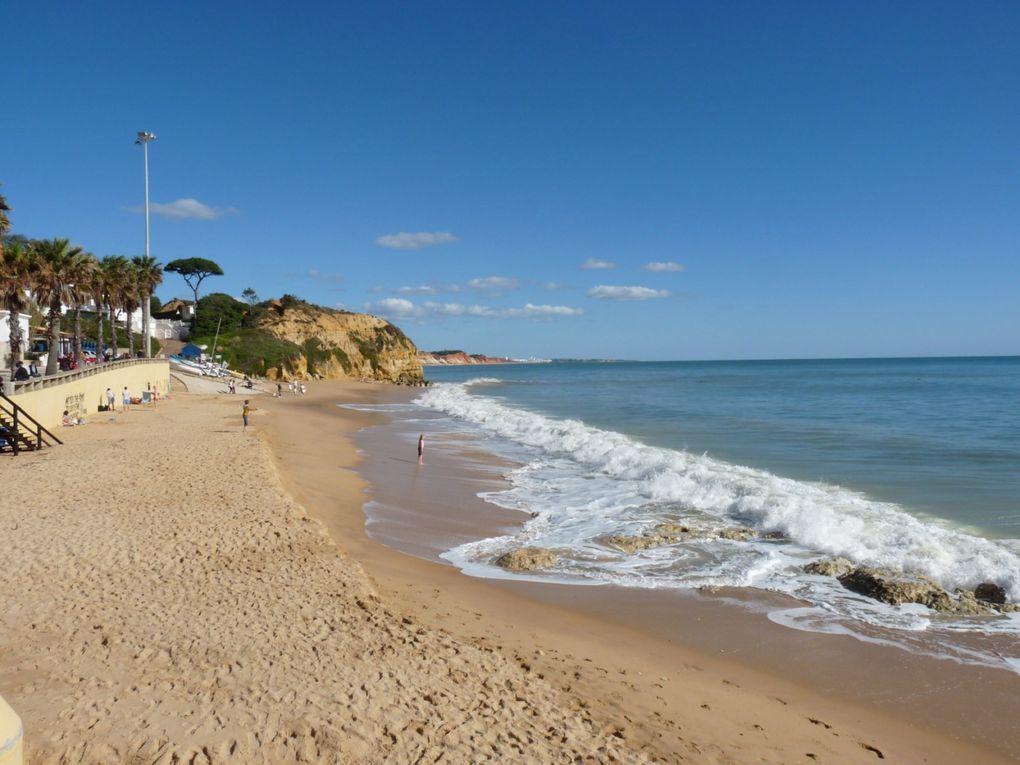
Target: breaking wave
pixel 581 483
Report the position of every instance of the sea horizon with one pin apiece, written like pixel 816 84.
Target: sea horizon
pixel 568 359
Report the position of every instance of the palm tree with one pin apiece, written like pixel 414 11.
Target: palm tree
pixel 5 222
pixel 129 301
pixel 150 275
pixel 55 260
pixel 97 286
pixel 83 274
pixel 16 273
pixel 114 268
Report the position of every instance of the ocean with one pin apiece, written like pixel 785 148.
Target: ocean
pixel 910 464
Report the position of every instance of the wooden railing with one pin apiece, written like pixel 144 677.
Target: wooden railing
pixel 20 431
pixel 40 383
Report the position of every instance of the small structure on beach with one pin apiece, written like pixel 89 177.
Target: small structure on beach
pixel 191 351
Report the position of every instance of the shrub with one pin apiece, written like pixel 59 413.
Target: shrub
pixel 254 351
pixel 343 359
pixel 218 308
pixel 315 354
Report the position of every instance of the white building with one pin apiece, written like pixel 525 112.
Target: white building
pixel 5 336
pixel 159 329
pixel 169 329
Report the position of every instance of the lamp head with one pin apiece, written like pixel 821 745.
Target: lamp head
pixel 144 137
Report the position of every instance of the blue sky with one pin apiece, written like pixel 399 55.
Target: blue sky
pixel 813 179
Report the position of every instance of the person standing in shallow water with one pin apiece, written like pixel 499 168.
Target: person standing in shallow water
pixel 421 449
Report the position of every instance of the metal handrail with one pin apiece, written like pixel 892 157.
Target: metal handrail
pixel 14 413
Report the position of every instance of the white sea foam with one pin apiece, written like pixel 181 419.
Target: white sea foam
pixel 582 483
pixel 377 407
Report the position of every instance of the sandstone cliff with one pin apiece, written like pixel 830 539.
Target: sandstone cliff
pixel 340 344
pixel 457 358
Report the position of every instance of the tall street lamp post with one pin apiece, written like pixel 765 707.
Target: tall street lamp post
pixel 144 139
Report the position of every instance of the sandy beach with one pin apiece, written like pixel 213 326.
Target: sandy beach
pixel 177 590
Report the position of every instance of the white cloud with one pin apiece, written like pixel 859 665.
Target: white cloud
pixel 542 311
pixel 487 283
pixel 406 241
pixel 421 289
pixel 605 292
pixel 493 283
pixel 401 308
pixel 443 309
pixel 668 265
pixel 393 307
pixel 595 263
pixel 186 208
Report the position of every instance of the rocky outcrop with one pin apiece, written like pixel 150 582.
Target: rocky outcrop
pixel 340 344
pixel 458 358
pixel 737 534
pixel 897 588
pixel 990 593
pixel 671 533
pixel 527 559
pixel 829 567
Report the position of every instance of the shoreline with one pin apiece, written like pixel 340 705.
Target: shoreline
pixel 589 620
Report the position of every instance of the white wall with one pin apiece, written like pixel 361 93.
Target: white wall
pixel 5 335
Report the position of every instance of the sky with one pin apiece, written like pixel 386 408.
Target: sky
pixel 652 180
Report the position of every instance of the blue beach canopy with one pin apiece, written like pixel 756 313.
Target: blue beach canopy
pixel 191 351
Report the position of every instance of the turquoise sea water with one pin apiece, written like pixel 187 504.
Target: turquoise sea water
pixel 939 437
pixel 904 464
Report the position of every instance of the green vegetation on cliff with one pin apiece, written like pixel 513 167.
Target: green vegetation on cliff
pixel 291 337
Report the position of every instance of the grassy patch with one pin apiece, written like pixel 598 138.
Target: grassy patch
pixel 254 351
pixel 343 359
pixel 368 350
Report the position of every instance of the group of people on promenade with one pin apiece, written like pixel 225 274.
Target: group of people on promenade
pixel 21 373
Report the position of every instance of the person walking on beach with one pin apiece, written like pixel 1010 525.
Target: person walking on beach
pixel 110 400
pixel 245 412
pixel 279 390
pixel 126 399
pixel 421 449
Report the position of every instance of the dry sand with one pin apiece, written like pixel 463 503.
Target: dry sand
pixel 168 594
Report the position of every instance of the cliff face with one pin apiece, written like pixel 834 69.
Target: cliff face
pixel 458 358
pixel 339 344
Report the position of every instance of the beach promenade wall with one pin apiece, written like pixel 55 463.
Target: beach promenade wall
pixel 80 392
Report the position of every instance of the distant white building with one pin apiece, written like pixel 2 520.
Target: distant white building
pixel 5 335
pixel 163 328
pixel 169 329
